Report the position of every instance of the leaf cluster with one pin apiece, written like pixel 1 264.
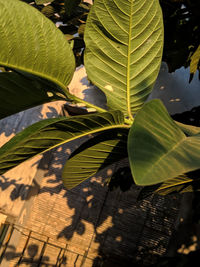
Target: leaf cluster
pixel 124 44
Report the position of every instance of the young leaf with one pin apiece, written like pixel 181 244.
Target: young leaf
pixel 47 134
pixel 94 155
pixel 158 149
pixel 21 91
pixel 31 43
pixel 124 41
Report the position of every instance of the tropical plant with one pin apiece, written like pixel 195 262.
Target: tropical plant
pixel 70 17
pixel 124 42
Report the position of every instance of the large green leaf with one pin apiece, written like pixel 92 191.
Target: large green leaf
pixel 32 43
pixel 50 133
pixel 94 155
pixel 158 149
pixel 124 41
pixel 20 91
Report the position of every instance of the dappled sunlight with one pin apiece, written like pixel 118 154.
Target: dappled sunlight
pixel 81 87
pixel 17 182
pixel 109 88
pixel 184 249
pixel 105 225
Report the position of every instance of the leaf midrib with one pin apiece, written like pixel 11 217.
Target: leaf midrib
pixel 73 138
pixel 174 184
pixel 40 74
pixel 128 64
pixel 153 166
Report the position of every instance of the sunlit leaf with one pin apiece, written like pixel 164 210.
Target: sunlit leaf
pixel 195 62
pixel 40 2
pixel 47 134
pixel 124 41
pixel 32 43
pixel 158 149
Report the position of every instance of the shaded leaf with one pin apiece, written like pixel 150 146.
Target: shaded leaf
pixel 158 149
pixel 20 91
pixel 70 5
pixel 124 41
pixel 48 11
pixel 32 43
pixel 195 62
pixel 81 30
pixel 188 129
pixel 49 133
pixel 95 155
pixel 181 184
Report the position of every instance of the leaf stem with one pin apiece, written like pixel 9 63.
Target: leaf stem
pixel 77 99
pixel 90 105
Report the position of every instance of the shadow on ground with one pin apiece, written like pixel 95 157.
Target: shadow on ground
pixel 94 226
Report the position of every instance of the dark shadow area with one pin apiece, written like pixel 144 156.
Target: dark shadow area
pixel 184 245
pixel 33 255
pixel 127 231
pixel 20 190
pixel 110 225
pixel 11 126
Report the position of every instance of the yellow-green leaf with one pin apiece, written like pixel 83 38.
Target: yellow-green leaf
pixel 158 149
pixel 124 40
pixel 30 42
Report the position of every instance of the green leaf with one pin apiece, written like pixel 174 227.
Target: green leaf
pixel 21 91
pixel 40 2
pixel 124 41
pixel 32 43
pixel 195 62
pixel 47 134
pixel 158 149
pixel 188 129
pixel 95 155
pixel 181 184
